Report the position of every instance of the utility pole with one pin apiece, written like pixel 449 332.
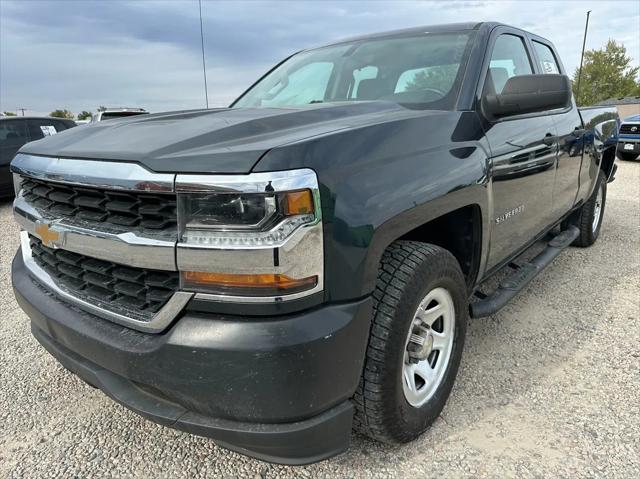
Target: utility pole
pixel 204 68
pixel 22 110
pixel 584 42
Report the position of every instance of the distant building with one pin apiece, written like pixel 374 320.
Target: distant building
pixel 627 105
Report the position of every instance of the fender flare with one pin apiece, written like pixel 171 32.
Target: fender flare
pixel 399 225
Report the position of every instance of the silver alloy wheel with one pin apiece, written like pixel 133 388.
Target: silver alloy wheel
pixel 428 346
pixel 597 210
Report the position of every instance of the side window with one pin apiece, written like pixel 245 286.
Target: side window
pixel 305 85
pixel 38 129
pixel 508 59
pixel 548 62
pixel 13 132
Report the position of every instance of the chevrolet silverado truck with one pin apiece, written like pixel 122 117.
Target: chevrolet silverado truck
pixel 303 263
pixel 629 139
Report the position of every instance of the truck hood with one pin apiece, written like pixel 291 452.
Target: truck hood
pixel 210 141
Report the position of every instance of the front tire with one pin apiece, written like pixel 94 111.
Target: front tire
pixel 415 344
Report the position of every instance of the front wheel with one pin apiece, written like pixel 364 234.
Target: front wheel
pixel 415 344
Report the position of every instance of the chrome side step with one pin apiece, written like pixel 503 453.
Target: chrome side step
pixel 522 275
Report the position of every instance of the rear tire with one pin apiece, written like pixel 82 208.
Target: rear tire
pixel 591 214
pixel 627 156
pixel 393 403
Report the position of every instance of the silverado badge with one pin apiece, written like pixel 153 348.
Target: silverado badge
pixel 509 214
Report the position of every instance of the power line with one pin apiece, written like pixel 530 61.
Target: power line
pixel 204 68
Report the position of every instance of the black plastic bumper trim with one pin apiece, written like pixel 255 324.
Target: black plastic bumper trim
pixel 296 443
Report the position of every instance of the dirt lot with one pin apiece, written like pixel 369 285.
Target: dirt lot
pixel 549 387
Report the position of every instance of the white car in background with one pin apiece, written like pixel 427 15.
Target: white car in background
pixel 110 113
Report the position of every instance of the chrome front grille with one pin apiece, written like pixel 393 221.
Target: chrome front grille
pixel 134 292
pixel 101 235
pixel 100 207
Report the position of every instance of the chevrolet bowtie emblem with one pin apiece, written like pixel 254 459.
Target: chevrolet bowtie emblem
pixel 49 237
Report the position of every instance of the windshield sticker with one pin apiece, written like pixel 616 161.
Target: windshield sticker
pixel 549 67
pixel 48 130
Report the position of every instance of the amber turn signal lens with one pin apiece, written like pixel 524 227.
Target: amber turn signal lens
pixel 252 284
pixel 298 203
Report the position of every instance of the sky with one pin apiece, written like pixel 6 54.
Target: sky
pixel 79 55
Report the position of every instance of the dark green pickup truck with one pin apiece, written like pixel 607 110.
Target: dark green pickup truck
pixel 304 262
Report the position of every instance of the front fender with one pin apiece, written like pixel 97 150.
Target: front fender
pixel 381 181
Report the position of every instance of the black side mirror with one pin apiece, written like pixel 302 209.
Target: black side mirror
pixel 529 94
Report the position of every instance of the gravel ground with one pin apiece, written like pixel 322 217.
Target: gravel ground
pixel 549 387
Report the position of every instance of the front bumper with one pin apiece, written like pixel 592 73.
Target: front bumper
pixel 275 388
pixel 623 148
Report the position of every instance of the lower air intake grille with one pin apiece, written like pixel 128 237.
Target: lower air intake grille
pixel 133 292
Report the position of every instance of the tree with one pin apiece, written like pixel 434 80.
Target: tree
pixel 606 73
pixel 101 108
pixel 438 78
pixel 84 115
pixel 9 113
pixel 62 114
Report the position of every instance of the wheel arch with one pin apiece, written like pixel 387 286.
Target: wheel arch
pixel 457 222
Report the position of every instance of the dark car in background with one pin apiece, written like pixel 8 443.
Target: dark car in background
pixel 15 131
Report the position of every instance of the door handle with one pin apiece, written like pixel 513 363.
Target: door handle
pixel 549 139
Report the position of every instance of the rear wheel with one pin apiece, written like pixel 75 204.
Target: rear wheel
pixel 627 156
pixel 590 215
pixel 416 341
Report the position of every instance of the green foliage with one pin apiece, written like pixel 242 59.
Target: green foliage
pixel 9 113
pixel 84 115
pixel 62 114
pixel 606 73
pixel 438 77
pixel 102 108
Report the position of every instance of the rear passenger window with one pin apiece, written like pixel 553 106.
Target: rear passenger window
pixel 61 125
pixel 13 132
pixel 548 62
pixel 509 59
pixel 40 128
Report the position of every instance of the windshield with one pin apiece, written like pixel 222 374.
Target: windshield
pixel 422 71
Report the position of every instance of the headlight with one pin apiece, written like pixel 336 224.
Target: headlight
pixel 243 220
pixel 257 235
